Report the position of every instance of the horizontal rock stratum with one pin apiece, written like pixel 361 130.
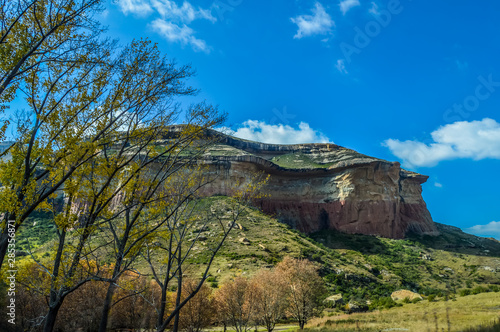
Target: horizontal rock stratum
pixel 313 187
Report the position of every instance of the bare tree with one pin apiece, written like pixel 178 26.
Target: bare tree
pixel 132 303
pixel 272 296
pixel 198 313
pixel 305 288
pixel 146 205
pixel 237 302
pixel 182 241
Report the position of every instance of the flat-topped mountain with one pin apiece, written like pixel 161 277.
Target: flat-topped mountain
pixel 325 186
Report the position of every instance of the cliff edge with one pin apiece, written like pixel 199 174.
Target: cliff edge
pixel 325 186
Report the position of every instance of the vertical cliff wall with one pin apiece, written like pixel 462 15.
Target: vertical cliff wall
pixel 325 186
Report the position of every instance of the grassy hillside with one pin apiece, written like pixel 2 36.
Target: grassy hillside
pixel 365 267
pixel 460 315
pixel 359 267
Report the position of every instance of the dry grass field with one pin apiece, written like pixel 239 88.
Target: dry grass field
pixel 460 315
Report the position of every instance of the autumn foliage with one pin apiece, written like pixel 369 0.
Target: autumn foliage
pixel 292 290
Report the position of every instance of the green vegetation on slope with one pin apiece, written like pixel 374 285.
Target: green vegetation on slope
pixel 298 161
pixel 360 267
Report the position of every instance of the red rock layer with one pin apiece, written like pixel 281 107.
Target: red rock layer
pixel 374 198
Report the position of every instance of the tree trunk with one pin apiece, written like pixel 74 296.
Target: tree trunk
pixel 179 291
pixel 163 307
pixel 4 237
pixel 50 319
pixel 269 326
pixel 107 307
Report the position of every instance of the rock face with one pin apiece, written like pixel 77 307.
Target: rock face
pixel 405 294
pixel 325 186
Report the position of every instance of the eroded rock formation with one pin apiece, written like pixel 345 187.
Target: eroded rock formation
pixel 325 186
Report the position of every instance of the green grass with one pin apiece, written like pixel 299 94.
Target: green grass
pixel 36 231
pixel 298 161
pixel 491 327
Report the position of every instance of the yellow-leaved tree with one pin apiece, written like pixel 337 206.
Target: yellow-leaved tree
pixel 53 56
pixel 119 189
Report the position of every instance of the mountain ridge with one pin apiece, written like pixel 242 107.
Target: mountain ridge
pixel 320 186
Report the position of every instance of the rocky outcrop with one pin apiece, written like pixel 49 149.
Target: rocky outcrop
pixel 325 186
pixel 405 294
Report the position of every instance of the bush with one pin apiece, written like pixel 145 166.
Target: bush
pixel 478 290
pixel 494 288
pixel 383 303
pixel 431 297
pixel 464 292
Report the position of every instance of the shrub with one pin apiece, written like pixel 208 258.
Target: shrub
pixel 464 292
pixel 494 288
pixel 478 290
pixel 431 297
pixel 383 302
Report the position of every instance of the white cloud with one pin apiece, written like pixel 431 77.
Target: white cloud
pixel 319 23
pixel 489 230
pixel 438 185
pixel 347 5
pixel 260 131
pixel 181 34
pixel 340 65
pixel 374 9
pixel 173 21
pixel 137 7
pixel 475 140
pixel 186 13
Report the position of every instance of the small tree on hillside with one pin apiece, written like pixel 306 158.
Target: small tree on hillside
pixel 271 294
pixel 237 303
pixel 132 303
pixel 305 288
pixel 198 313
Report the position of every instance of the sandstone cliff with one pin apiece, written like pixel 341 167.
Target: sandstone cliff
pixel 325 186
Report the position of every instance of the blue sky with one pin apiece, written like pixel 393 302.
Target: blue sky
pixel 410 81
